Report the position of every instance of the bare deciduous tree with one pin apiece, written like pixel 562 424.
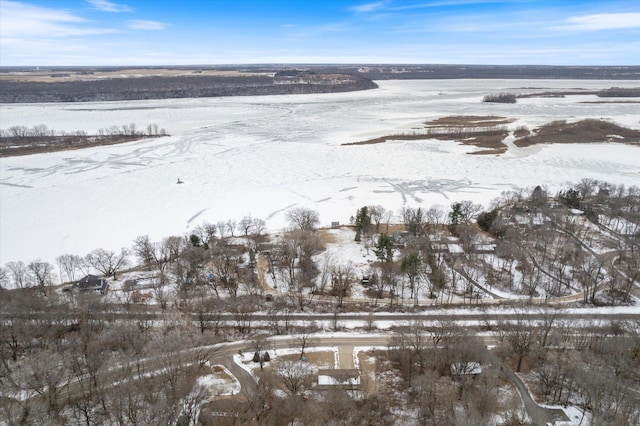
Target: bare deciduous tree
pixel 296 376
pixel 18 274
pixel 378 215
pixel 42 273
pixel 413 219
pixel 69 264
pixel 244 225
pixel 521 337
pixel 258 227
pixel 143 248
pixel 304 341
pixel 303 218
pixel 342 277
pixel 108 262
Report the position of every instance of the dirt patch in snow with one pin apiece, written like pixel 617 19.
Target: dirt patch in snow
pixel 583 131
pixel 487 132
pixel 466 121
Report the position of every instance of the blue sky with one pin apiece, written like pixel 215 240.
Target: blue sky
pixel 181 32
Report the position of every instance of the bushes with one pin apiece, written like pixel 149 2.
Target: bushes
pixel 489 222
pixel 620 92
pixel 485 219
pixel 571 198
pixel 503 98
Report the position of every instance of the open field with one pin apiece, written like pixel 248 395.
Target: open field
pixel 260 156
pixel 51 76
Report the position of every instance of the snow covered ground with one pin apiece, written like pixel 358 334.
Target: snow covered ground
pixel 260 156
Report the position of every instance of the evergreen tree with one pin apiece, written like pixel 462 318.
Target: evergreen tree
pixel 195 240
pixel 384 248
pixel 455 217
pixel 362 221
pixel 538 197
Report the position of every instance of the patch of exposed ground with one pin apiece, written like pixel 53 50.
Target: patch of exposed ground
pixel 60 143
pixel 466 121
pixel 487 132
pixel 327 237
pixel 583 131
pixel 367 363
pixel 90 75
pixel 612 92
pixel 521 132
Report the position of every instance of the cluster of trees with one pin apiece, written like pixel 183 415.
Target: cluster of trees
pixel 543 246
pixel 410 264
pixel 215 268
pixel 18 133
pixel 436 394
pixel 505 98
pixel 22 140
pixel 541 249
pixel 586 238
pixel 620 92
pixel 196 85
pixel 594 368
pixel 74 365
pixel 41 275
pixel 442 373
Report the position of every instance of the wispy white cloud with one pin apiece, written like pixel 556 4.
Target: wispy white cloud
pixel 140 24
pixel 602 21
pixel 21 21
pixel 108 6
pixel 447 3
pixel 368 7
pixel 390 7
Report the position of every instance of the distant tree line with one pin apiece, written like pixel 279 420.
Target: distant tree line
pixel 620 92
pixel 613 92
pixel 21 140
pixel 164 87
pixel 15 133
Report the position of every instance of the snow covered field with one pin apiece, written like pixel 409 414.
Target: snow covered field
pixel 260 156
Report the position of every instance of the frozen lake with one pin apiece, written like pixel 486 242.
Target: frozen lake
pixel 260 156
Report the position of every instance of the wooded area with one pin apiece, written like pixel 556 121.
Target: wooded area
pixel 134 354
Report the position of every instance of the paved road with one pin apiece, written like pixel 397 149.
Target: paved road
pixel 436 314
pixel 346 345
pixel 223 354
pixel 541 416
